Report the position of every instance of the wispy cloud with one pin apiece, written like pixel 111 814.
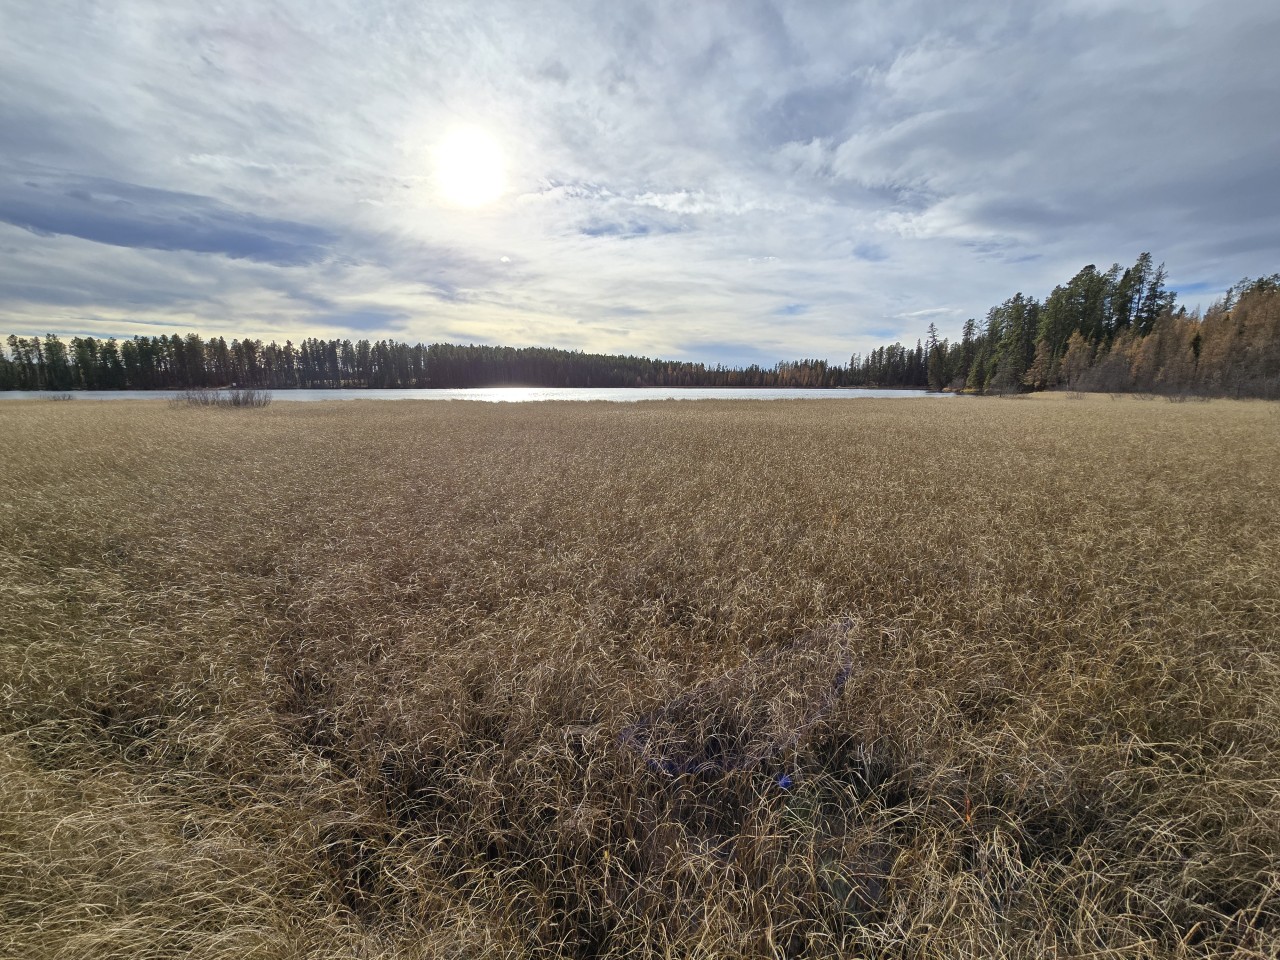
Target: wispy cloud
pixel 625 229
pixel 929 312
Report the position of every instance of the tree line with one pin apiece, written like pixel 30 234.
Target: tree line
pixel 1115 330
pixel 193 362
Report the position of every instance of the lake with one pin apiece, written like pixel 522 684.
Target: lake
pixel 523 394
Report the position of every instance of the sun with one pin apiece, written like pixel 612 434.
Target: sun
pixel 469 168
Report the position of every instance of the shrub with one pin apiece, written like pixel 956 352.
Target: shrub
pixel 236 397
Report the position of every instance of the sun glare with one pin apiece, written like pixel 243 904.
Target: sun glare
pixel 469 169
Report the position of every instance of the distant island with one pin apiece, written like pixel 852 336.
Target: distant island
pixel 1118 330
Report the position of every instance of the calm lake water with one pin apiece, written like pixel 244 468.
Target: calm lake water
pixel 523 394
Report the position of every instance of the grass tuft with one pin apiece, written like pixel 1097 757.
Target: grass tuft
pixel 235 397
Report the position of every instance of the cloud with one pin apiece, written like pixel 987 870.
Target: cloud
pixel 268 170
pixel 367 321
pixel 930 312
pixel 128 215
pixel 1200 286
pixel 626 229
pixel 884 333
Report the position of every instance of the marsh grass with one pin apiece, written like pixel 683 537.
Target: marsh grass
pixel 468 680
pixel 235 397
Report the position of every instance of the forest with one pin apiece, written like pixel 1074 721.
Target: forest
pixel 1118 330
pixel 1114 331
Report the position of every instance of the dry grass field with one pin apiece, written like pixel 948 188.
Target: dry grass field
pixel 870 678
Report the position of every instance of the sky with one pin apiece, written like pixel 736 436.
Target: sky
pixel 733 182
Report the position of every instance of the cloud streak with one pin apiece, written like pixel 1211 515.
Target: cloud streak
pixel 128 215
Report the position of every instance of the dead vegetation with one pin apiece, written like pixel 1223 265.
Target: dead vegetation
pixel 588 680
pixel 235 397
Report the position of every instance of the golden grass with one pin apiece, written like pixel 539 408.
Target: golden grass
pixel 396 680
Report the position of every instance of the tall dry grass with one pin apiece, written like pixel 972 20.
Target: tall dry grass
pixel 859 678
pixel 210 397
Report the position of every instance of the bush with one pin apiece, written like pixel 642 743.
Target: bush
pixel 240 397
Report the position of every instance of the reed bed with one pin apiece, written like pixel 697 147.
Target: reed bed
pixel 672 679
pixel 209 397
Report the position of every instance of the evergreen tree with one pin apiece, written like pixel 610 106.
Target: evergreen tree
pixel 58 373
pixel 937 359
